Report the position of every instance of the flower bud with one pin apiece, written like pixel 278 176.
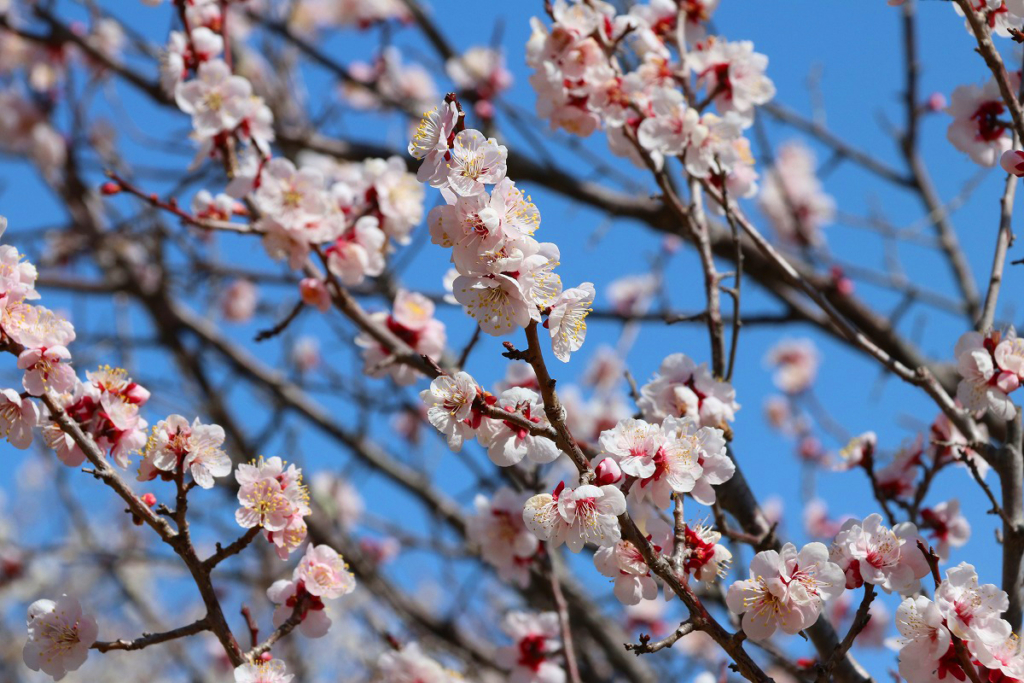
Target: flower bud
pixel 608 472
pixel 110 188
pixel 1012 161
pixel 314 293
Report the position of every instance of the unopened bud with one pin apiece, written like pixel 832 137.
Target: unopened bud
pixel 110 188
pixel 149 499
pixel 608 472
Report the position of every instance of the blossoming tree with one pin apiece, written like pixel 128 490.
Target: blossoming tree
pixel 356 414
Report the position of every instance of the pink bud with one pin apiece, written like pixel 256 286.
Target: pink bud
pixel 671 244
pixel 266 657
pixel 110 188
pixel 314 293
pixel 1007 382
pixel 149 499
pixel 810 448
pixel 936 101
pixel 1012 161
pixel 608 472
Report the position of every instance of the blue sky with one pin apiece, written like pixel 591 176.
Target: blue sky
pixel 851 51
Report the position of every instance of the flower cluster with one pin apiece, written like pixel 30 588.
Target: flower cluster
pixel 676 456
pixel 580 88
pixel 275 499
pixel 321 575
pixel 506 279
pixel 107 408
pixel 263 671
pixel 786 590
pixel 869 552
pixel 992 367
pixel 963 609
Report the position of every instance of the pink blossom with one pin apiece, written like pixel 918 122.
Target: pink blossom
pixel 449 403
pixel 985 385
pixel 683 388
pixel 240 300
pixel 324 573
pixel 195 448
pixel 18 418
pixel 59 636
pixel 1012 161
pixel 947 526
pixel 567 321
pixel 632 577
pixel 786 590
pixel 264 500
pixel 475 161
pixel 972 611
pixel 925 640
pixel 215 98
pixel 869 552
pixel 575 516
pixel 359 252
pixel 975 128
pixel 734 75
pixel 411 665
pixel 412 321
pixel 793 199
pixel 46 368
pixel 507 442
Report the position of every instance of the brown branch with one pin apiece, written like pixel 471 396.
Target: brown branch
pixel 645 646
pixel 148 639
pixel 860 620
pixel 562 609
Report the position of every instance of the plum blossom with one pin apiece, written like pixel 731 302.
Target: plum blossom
pixel 507 442
pixel 733 75
pixel 195 448
pixel 500 533
pixel 568 320
pixel 787 589
pixel 216 99
pixel 692 460
pixel 449 402
pixel 18 418
pixel 635 444
pixel 536 639
pixel 264 500
pixel 314 293
pixel 59 636
pixel 972 611
pixel 412 321
pixel 986 383
pixel 475 160
pixel 240 300
pixel 359 252
pixel 683 388
pixel 496 302
pixel 976 129
pixel 673 127
pixel 796 364
pixel 272 671
pixel 575 516
pixel 481 69
pixel 324 573
pixel 632 577
pixel 1000 15
pixel 869 552
pixel 430 143
pixel 703 555
pixel 46 368
pixel 926 643
pixel 947 526
pixel 292 196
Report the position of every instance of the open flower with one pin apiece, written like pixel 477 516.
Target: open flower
pixel 59 636
pixel 575 516
pixel 786 589
pixel 475 160
pixel 215 98
pixel 449 403
pixel 500 533
pixel 536 640
pixel 508 442
pixel 272 671
pixel 18 418
pixel 869 552
pixel 324 573
pixel 568 320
